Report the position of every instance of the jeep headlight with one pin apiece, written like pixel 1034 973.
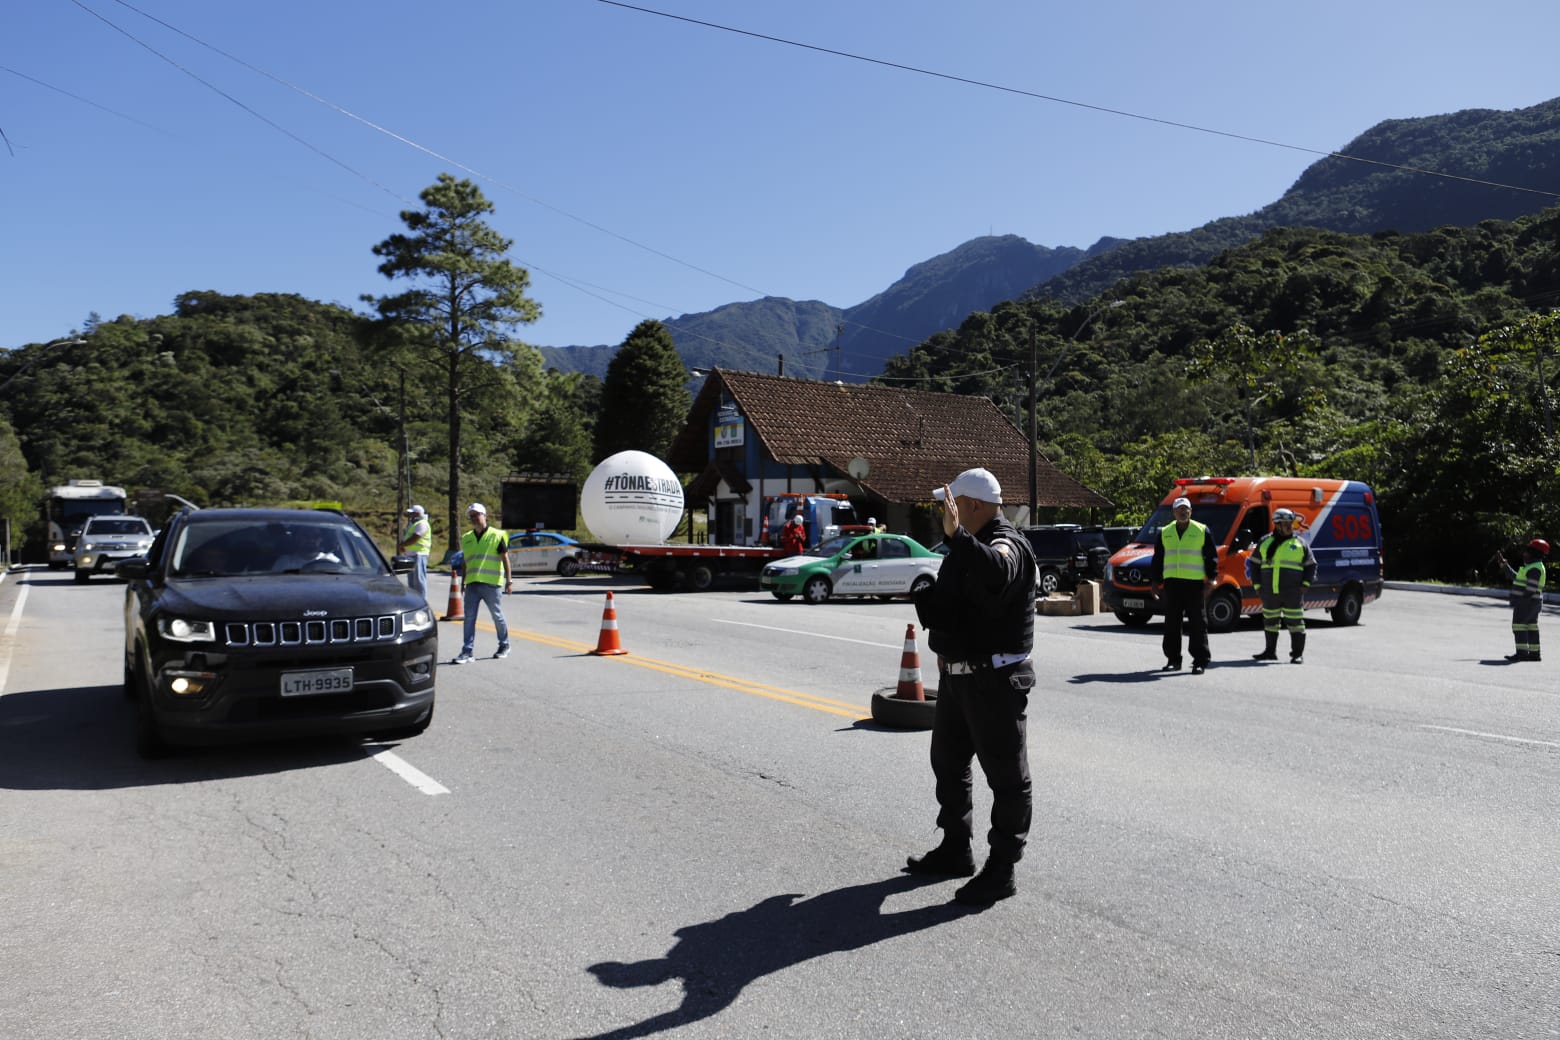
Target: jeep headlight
pixel 186 630
pixel 419 620
pixel 1110 570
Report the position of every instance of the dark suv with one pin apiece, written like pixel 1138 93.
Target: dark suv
pixel 1069 553
pixel 262 623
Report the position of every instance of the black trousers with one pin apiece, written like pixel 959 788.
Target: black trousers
pixel 1184 596
pixel 983 716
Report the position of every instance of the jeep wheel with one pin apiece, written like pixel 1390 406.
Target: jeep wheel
pixel 1050 581
pixel 1223 610
pixel 817 589
pixel 149 740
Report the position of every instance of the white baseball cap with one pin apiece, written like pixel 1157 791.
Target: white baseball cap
pixel 415 510
pixel 477 507
pixel 1182 501
pixel 976 483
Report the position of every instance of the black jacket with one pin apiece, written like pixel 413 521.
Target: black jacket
pixel 984 600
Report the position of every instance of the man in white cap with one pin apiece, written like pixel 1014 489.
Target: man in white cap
pixel 416 542
pixel 1185 565
pixel 485 561
pixel 980 620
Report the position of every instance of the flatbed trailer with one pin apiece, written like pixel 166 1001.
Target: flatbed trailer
pixel 679 567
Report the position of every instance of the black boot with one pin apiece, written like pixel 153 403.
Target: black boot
pixel 1297 648
pixel 1270 652
pixel 994 882
pixel 950 859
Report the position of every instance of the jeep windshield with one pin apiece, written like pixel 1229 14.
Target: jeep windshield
pixel 242 548
pixel 1218 519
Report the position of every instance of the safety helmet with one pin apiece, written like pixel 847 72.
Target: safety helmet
pixel 1539 546
pixel 1285 516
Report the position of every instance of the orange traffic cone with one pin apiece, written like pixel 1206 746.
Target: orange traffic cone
pixel 763 530
pixel 454 612
pixel 608 644
pixel 910 688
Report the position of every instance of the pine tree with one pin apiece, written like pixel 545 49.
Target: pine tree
pixel 467 293
pixel 644 398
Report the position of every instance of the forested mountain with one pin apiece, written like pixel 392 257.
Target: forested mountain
pixel 939 293
pixel 272 399
pixel 932 295
pixel 1384 193
pixel 1420 363
pixel 1520 147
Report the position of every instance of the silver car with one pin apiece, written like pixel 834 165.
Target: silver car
pixel 107 539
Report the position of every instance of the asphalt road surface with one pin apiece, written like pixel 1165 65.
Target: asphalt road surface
pixel 703 838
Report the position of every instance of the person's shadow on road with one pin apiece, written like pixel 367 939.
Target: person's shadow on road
pixel 716 960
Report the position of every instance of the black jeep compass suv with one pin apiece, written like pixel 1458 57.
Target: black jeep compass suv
pixel 264 623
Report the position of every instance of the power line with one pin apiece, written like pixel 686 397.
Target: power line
pixel 224 94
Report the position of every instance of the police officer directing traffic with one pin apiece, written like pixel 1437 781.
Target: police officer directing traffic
pixel 1282 568
pixel 1527 597
pixel 1183 571
pixel 980 618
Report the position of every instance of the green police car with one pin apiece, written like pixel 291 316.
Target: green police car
pixel 882 565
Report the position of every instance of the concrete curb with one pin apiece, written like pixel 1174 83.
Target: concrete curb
pixel 1551 599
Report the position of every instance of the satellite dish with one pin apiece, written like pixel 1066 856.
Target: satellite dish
pixel 859 468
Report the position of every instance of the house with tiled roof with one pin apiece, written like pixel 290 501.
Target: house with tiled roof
pixel 751 435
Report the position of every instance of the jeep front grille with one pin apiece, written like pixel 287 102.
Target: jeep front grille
pixel 314 632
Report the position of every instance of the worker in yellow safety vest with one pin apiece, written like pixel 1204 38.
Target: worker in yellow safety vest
pixel 485 562
pixel 1527 597
pixel 417 542
pixel 1183 571
pixel 1282 567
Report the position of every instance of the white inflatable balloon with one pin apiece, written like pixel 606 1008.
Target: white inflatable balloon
pixel 632 498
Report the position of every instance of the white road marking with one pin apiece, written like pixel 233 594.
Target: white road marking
pixel 11 626
pixel 403 769
pixel 815 635
pixel 1494 736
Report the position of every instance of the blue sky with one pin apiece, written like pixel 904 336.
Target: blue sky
pixel 648 167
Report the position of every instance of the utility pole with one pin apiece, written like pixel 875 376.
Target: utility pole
pixel 403 469
pixel 1034 448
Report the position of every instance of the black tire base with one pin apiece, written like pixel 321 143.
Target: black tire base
pixel 899 713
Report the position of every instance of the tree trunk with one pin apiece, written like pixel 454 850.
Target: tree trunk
pixel 454 402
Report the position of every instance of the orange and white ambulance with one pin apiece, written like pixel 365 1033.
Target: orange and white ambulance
pixel 1337 517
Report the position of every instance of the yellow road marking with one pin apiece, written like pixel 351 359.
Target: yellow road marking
pixel 776 693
